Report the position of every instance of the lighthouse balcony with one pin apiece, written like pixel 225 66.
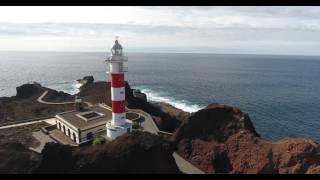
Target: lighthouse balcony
pixel 120 69
pixel 117 59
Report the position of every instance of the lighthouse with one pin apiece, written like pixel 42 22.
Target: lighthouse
pixel 119 124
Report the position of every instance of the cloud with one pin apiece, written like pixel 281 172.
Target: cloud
pixel 190 29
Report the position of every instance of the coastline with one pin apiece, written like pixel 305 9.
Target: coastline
pixel 213 132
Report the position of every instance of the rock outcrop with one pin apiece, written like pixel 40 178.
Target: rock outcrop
pixel 25 105
pixel 130 153
pixel 28 90
pixel 86 81
pixel 222 139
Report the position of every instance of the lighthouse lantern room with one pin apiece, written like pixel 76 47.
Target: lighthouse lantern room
pixel 119 124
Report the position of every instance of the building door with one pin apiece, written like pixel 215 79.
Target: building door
pixel 74 137
pixel 89 136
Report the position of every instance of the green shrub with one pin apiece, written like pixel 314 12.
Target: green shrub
pixel 99 140
pixel 135 125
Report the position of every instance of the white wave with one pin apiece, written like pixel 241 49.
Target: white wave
pixel 70 87
pixel 75 88
pixel 180 104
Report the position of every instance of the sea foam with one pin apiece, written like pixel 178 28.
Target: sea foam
pixel 70 87
pixel 180 104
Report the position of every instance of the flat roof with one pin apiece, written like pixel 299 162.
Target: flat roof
pixel 74 117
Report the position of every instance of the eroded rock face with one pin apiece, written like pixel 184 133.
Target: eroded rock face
pixel 222 139
pixel 216 122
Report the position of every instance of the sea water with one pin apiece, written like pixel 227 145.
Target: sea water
pixel 280 93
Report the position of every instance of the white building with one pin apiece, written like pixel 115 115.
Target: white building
pixel 83 125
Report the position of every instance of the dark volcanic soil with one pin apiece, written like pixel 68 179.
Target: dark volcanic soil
pixel 130 153
pixel 21 134
pixel 15 157
pixel 25 106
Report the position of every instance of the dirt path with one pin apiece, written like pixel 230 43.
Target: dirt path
pixel 40 100
pixel 49 121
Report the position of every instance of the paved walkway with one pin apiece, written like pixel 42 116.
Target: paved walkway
pixel 40 100
pixel 185 166
pixel 49 121
pixel 150 126
pixel 148 123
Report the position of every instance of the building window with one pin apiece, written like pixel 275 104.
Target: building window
pixel 69 134
pixel 63 129
pixel 74 137
pixel 59 125
pixel 89 136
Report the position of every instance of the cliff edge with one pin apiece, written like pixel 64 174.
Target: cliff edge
pixel 222 139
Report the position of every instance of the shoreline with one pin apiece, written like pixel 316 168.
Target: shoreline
pixel 212 132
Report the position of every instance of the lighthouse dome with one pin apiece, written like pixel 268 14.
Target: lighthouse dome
pixel 116 49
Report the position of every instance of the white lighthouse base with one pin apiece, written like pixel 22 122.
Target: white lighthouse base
pixel 113 131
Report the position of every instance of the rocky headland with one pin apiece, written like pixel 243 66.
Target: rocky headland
pixel 222 139
pixel 216 139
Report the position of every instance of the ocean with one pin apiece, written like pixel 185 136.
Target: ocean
pixel 280 92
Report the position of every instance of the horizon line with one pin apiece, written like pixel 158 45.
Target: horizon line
pixel 159 52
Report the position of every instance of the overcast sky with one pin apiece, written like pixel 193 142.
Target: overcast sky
pixel 253 30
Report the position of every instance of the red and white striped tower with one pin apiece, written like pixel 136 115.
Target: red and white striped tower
pixel 119 124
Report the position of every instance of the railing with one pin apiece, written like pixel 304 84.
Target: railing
pixel 117 58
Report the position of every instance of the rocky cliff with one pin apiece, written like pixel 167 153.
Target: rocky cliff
pixel 222 139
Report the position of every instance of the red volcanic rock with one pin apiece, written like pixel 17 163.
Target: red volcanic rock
pixel 216 122
pixel 222 139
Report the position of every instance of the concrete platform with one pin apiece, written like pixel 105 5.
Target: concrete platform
pixel 61 137
pixel 43 139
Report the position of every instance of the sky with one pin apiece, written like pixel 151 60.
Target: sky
pixel 199 29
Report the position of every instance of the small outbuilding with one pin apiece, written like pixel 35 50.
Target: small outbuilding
pixel 83 125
